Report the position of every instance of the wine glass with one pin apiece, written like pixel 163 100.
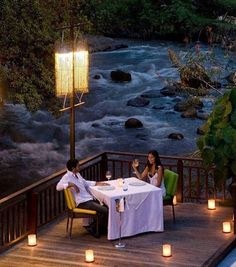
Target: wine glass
pixel 108 175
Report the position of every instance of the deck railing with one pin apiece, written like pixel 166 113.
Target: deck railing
pixel 26 210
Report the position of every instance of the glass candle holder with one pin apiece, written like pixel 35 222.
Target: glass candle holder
pixel 89 255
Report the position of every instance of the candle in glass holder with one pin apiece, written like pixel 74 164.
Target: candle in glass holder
pixel 166 250
pixel 89 255
pixel 226 227
pixel 32 240
pixel 211 204
pixel 120 182
pixel 175 201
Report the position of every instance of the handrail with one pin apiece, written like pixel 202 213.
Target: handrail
pixel 44 180
pixel 40 203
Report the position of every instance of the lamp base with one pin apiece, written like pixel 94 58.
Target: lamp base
pixel 120 245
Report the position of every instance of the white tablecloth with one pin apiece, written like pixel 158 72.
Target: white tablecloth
pixel 143 208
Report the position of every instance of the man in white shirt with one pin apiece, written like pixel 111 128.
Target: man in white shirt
pixel 80 190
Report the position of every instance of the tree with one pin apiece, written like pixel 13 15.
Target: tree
pixel 218 144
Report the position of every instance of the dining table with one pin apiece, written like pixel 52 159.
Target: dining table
pixel 142 209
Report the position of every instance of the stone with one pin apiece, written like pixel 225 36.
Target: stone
pixel 168 90
pixel 176 136
pixel 181 106
pixel 151 94
pixel 120 76
pixel 189 113
pixel 133 123
pixel 200 130
pixel 97 76
pixel 202 115
pixel 138 102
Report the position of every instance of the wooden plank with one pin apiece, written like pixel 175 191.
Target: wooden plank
pixel 195 236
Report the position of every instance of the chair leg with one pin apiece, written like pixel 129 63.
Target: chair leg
pixel 97 226
pixel 71 224
pixel 173 211
pixel 67 224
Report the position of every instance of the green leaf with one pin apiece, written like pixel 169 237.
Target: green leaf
pixel 233 119
pixel 208 155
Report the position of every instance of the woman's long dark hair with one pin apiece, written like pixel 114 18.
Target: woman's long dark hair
pixel 157 159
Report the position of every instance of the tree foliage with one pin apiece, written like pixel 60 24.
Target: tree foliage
pixel 218 144
pixel 29 29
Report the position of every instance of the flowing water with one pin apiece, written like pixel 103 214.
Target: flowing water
pixel 35 145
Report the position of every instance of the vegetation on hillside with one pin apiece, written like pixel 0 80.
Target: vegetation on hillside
pixel 29 29
pixel 218 144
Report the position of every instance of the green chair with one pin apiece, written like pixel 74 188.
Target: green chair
pixel 74 212
pixel 170 181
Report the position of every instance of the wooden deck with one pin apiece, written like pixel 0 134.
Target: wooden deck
pixel 195 237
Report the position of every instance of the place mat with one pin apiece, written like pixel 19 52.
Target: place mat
pixel 137 183
pixel 106 188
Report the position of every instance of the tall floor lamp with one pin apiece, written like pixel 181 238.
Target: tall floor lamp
pixel 71 74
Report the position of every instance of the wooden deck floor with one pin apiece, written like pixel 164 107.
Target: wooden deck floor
pixel 196 235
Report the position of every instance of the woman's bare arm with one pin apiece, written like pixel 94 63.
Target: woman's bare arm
pixel 159 175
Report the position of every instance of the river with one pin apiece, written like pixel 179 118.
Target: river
pixel 34 145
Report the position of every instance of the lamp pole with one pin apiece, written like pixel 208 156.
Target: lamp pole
pixel 72 101
pixel 72 91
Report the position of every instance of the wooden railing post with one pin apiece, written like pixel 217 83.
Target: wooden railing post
pixel 103 168
pixel 32 212
pixel 180 181
pixel 233 194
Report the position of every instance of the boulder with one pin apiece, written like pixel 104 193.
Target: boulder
pixel 101 43
pixel 189 113
pixel 120 76
pixel 200 130
pixel 169 90
pixel 97 76
pixel 184 105
pixel 181 106
pixel 133 123
pixel 202 115
pixel 151 94
pixel 138 102
pixel 176 136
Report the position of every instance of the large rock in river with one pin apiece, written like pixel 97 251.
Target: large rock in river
pixel 102 43
pixel 176 136
pixel 133 123
pixel 138 102
pixel 120 76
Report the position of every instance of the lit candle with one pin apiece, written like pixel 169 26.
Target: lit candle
pixel 226 227
pixel 174 201
pixel 32 240
pixel 120 182
pixel 211 204
pixel 89 256
pixel 166 250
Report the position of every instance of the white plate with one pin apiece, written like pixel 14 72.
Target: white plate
pixel 106 187
pixel 137 183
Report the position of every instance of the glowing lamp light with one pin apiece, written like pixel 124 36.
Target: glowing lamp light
pixel 166 250
pixel 32 240
pixel 211 204
pixel 175 201
pixel 71 70
pixel 226 227
pixel 89 255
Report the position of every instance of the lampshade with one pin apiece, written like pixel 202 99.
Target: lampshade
pixel 65 63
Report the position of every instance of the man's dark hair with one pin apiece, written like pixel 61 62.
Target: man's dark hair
pixel 71 164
